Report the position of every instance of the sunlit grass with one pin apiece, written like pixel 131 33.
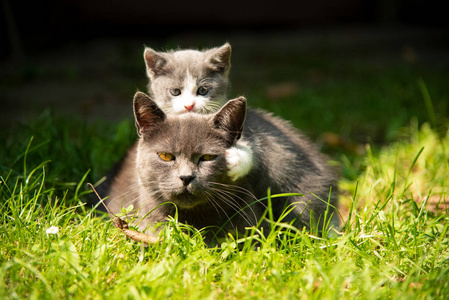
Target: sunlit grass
pixel 394 245
pixel 389 115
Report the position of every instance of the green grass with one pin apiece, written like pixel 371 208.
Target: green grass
pixel 394 242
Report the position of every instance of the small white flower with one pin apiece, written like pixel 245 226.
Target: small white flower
pixel 52 230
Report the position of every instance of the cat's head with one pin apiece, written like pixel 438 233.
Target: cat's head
pixel 181 158
pixel 189 80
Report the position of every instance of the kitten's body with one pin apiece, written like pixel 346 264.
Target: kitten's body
pixel 205 195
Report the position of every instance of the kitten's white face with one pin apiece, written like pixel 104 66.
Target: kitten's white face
pixel 192 96
pixel 189 80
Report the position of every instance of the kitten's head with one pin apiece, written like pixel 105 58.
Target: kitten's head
pixel 189 80
pixel 180 158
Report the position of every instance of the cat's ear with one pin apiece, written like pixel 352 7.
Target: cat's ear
pixel 220 59
pixel 146 113
pixel 155 63
pixel 230 118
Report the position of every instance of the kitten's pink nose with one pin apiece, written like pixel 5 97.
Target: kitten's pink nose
pixel 189 107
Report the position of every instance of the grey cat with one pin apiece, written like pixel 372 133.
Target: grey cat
pixel 180 160
pixel 186 81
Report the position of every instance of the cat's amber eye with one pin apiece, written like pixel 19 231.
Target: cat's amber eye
pixel 208 157
pixel 175 92
pixel 166 156
pixel 202 91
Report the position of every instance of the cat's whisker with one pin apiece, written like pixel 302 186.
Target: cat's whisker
pixel 128 191
pixel 224 199
pixel 229 200
pixel 209 198
pixel 231 196
pixel 121 199
pixel 214 203
pixel 236 188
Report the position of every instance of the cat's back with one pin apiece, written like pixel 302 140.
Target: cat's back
pixel 284 153
pixel 267 127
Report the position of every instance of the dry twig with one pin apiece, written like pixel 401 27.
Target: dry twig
pixel 123 226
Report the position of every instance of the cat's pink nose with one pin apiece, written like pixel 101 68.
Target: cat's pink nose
pixel 189 107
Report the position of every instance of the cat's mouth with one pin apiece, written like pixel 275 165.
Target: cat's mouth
pixel 187 200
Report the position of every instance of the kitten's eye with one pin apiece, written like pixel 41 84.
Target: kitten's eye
pixel 208 157
pixel 166 156
pixel 175 92
pixel 202 91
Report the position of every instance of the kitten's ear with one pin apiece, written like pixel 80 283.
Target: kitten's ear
pixel 231 118
pixel 220 58
pixel 146 113
pixel 155 63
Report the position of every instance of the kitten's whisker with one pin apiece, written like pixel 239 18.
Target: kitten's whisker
pixel 212 106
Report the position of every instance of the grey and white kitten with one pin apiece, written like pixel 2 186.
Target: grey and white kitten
pixel 181 159
pixel 195 81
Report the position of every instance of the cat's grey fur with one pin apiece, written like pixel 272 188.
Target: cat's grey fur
pixel 186 81
pixel 285 162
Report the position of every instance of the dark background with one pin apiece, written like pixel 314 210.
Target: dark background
pixel 84 58
pixel 347 73
pixel 31 26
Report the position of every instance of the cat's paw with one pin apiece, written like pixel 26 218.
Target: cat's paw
pixel 239 160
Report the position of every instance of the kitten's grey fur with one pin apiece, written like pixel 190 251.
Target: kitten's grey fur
pixel 285 162
pixel 188 71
